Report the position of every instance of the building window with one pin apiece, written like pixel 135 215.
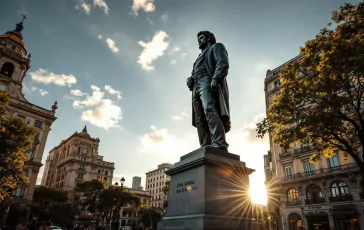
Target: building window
pixel 19 192
pixel 30 154
pixel 106 173
pixel 36 137
pixel 277 84
pixel 38 124
pixel 292 194
pixel 83 159
pixel 99 171
pixel 82 166
pixel 105 178
pixel 2 87
pixel 7 69
pixel 288 172
pixel 309 169
pixel 80 175
pixel 360 154
pixel 339 189
pixel 21 116
pixel 333 163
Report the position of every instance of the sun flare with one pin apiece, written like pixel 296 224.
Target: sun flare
pixel 258 193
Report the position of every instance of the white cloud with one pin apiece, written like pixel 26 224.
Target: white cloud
pixel 164 16
pixel 111 44
pixel 97 110
pixel 153 50
pixel 173 62
pixel 179 117
pixel 42 92
pixel 99 36
pixel 102 4
pixel 176 49
pixel 46 77
pixel 183 55
pixel 86 7
pixel 77 92
pixel 146 5
pixel 112 91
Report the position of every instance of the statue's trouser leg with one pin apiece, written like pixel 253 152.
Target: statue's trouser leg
pixel 200 119
pixel 213 118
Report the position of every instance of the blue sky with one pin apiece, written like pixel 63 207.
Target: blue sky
pixel 120 67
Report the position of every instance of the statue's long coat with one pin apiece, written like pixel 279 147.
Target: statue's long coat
pixel 217 65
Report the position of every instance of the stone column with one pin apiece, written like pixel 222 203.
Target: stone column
pixel 39 154
pixel 33 179
pixel 331 222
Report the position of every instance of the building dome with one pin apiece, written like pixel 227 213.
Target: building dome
pixel 15 36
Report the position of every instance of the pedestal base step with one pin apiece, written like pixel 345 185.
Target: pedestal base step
pixel 207 222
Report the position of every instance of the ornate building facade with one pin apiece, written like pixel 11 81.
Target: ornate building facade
pixel 74 160
pixel 326 195
pixel 14 64
pixel 155 182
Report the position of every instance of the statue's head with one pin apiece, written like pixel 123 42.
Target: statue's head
pixel 204 38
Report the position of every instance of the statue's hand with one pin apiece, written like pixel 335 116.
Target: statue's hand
pixel 214 85
pixel 190 83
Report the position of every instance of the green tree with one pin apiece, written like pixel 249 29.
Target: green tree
pixel 16 139
pixel 111 201
pixel 166 194
pixel 52 204
pixel 321 101
pixel 89 191
pixel 149 216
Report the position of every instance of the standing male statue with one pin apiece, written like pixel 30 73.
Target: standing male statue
pixel 210 94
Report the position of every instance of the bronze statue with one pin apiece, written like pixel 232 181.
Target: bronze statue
pixel 210 94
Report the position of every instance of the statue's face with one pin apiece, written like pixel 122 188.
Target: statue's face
pixel 202 41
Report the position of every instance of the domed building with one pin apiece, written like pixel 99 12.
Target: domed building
pixel 14 64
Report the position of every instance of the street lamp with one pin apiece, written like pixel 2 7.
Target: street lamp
pixel 119 204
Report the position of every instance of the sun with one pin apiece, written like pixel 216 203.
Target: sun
pixel 258 193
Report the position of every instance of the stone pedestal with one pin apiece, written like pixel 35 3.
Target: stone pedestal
pixel 209 189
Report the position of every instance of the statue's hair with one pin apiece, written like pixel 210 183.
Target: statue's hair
pixel 208 34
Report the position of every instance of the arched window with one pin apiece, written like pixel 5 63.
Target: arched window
pixel 292 194
pixel 7 69
pixel 314 194
pixel 295 221
pixel 339 188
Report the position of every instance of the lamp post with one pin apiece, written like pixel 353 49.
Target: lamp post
pixel 120 202
pixel 303 218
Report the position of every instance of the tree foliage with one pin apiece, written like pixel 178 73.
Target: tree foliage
pixel 16 139
pixel 89 192
pixel 166 194
pixel 321 101
pixel 149 216
pixel 51 204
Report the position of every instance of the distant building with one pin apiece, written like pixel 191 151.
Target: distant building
pixel 14 64
pixel 155 182
pixel 75 160
pixel 128 214
pixel 301 195
pixel 136 182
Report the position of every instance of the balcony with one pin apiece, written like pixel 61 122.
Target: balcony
pixel 284 154
pixel 293 202
pixel 347 197
pixel 302 150
pixel 315 201
pixel 322 172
